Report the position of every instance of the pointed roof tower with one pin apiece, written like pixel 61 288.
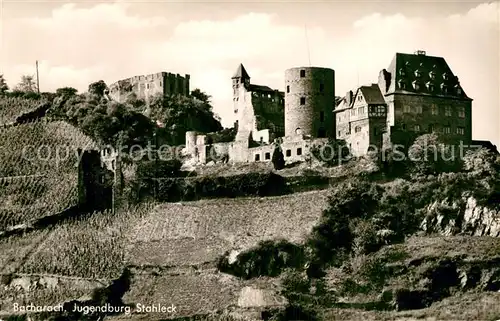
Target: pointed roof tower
pixel 241 73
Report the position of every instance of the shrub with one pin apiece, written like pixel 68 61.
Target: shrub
pixel 278 159
pixel 193 188
pixel 158 169
pixel 334 152
pixel 269 258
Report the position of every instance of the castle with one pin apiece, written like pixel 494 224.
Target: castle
pixel 145 87
pixel 416 94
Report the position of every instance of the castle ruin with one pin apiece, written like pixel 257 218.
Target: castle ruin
pixel 146 86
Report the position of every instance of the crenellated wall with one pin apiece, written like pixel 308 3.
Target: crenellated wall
pixel 146 86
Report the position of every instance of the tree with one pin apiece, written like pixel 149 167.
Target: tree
pixel 3 85
pixel 98 88
pixel 200 95
pixel 66 91
pixel 179 114
pixel 27 84
pixel 278 158
pixel 429 155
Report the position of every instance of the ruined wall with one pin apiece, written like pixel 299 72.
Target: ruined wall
pixel 309 100
pixel 269 113
pixel 245 114
pixel 145 87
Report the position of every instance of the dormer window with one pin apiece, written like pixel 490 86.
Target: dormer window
pixel 401 84
pixel 432 75
pixel 458 89
pixel 444 88
pixel 445 76
pixel 416 85
pixel 418 73
pixel 430 86
pixel 401 72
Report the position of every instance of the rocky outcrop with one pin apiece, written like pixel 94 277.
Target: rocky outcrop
pixel 462 217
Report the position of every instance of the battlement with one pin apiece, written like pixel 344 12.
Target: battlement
pixel 144 86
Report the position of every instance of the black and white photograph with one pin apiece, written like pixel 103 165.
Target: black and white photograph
pixel 272 160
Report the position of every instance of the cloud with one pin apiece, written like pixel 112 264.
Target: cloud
pixel 78 45
pixel 469 42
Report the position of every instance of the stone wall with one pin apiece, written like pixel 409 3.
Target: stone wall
pixel 309 101
pixel 405 115
pixel 145 87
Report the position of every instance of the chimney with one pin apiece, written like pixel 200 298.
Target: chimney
pixel 420 53
pixel 348 97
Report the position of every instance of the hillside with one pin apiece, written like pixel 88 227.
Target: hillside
pixel 38 170
pixel 197 232
pixel 13 107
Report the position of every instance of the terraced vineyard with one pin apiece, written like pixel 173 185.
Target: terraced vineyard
pixel 12 107
pixel 198 232
pixel 38 170
pixel 41 147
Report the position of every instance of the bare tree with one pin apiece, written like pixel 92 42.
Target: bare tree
pixel 27 84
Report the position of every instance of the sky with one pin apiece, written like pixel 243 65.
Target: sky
pixel 77 43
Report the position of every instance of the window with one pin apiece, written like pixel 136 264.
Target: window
pixel 360 98
pixel 257 157
pixel 431 129
pixel 432 75
pixel 445 76
pixel 321 116
pixel 299 151
pixel 444 88
pixel 287 89
pixel 160 84
pixel 268 95
pixel 339 134
pixel 434 109
pixel 401 84
pixel 321 88
pixel 447 111
pixel 261 140
pixel 361 110
pixel 418 73
pixel 430 87
pixel 288 153
pixel 353 112
pixel 357 129
pixel 447 129
pixel 460 130
pixel 461 112
pixel 147 86
pixel 406 109
pixel 302 73
pixel 459 90
pixel 417 128
pixel 418 109
pixel 302 100
pixel 416 85
pixel 268 156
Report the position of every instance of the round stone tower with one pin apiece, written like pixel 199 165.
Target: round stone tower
pixel 309 102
